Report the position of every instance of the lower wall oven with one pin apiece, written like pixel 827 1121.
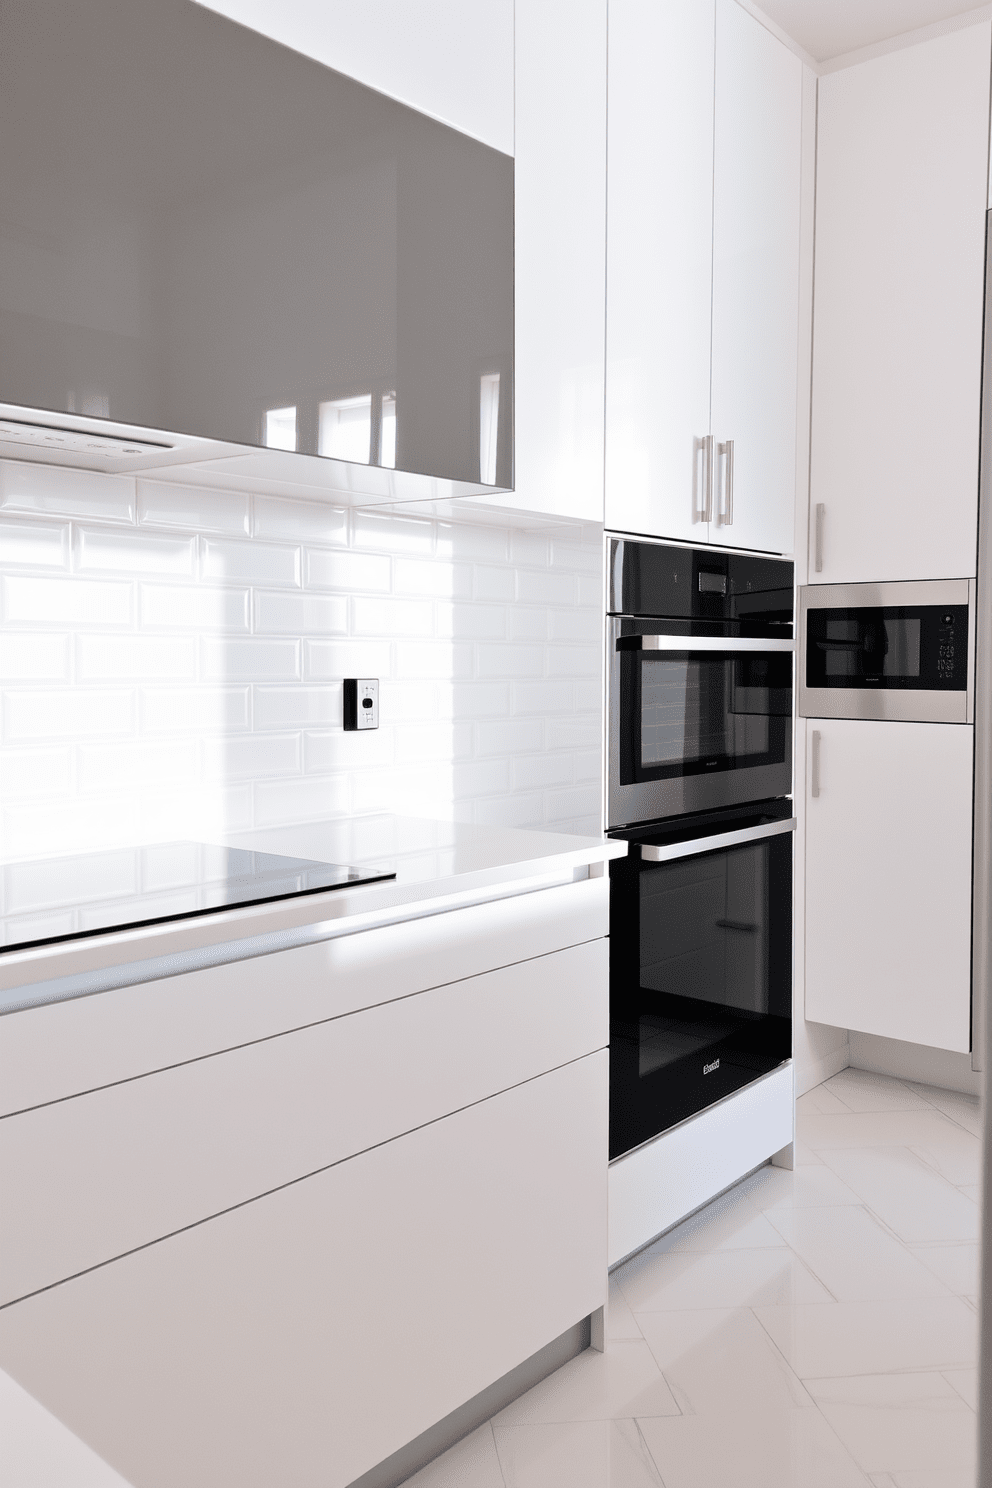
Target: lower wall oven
pixel 700 964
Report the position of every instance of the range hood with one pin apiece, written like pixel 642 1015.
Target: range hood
pixel 219 254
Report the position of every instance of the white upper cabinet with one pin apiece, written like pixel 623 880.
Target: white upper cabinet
pixel 559 258
pixel 448 59
pixel 703 273
pixel 659 264
pixel 756 267
pixel 897 343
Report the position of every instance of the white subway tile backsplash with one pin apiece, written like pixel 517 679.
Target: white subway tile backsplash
pixel 55 490
pixel 66 714
pixel 103 658
pixel 200 710
pixel 306 521
pixel 31 600
pixel 281 613
pixel 34 546
pixel 103 550
pixel 226 660
pixel 252 563
pixel 25 657
pixel 350 571
pixel 180 607
pixel 200 690
pixel 162 504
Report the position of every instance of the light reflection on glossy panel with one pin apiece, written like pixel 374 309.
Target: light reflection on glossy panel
pixel 205 232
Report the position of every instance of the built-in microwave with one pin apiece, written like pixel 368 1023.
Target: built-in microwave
pixel 898 651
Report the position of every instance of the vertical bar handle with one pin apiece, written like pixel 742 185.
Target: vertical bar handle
pixel 726 451
pixel 814 764
pixel 702 509
pixel 818 513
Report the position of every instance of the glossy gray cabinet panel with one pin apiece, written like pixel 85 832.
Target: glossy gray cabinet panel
pixel 199 227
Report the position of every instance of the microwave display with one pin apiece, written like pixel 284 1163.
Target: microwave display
pixel 922 647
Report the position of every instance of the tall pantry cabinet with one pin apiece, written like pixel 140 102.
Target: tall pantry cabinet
pixel 703 274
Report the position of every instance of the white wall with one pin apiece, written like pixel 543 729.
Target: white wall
pixel 171 663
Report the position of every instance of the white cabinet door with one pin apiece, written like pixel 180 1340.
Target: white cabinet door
pixel 444 58
pixel 300 1339
pixel 756 267
pixel 559 258
pixel 659 263
pixel 897 346
pixel 888 879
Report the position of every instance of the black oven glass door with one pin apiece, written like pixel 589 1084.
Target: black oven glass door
pixel 700 971
pixel 897 647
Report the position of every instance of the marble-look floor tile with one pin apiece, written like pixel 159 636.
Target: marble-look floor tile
pixel 806 1157
pixel 675 1281
pixel 820 1100
pixel 966 1110
pixel 753 1449
pixel 898 1422
pixel 859 1090
pixel 584 1454
pixel 850 1252
pixel 957 1266
pixel 913 1200
pixel 853 1338
pixel 953 1153
pixel 729 1223
pixel 623 1382
pixel 965 1381
pixel 470 1463
pixel 620 1321
pixel 717 1360
pixel 972 1191
pixel 871 1129
pixel 944 1477
pixel 804 1187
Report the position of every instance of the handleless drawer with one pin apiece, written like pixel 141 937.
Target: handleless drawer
pixel 89 1178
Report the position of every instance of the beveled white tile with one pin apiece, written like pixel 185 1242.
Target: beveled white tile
pixel 352 571
pixel 444 580
pixel 860 1090
pixel 728 1278
pixel 854 1256
pixel 248 562
pixel 965 1382
pixel 189 607
pixel 33 544
pixel 104 550
pixel 249 660
pixel 66 491
pixel 470 1463
pixel 851 1338
pixel 753 1449
pixel 310 521
pixel 30 600
pixel 620 1321
pixel 898 1422
pixel 622 1382
pixel 194 709
pixel 105 658
pixel 906 1194
pixel 805 1187
pixel 957 1266
pixel 392 617
pixel 282 612
pixel 33 658
pixel 583 1454
pixel 720 1359
pixel 66 715
pixel 165 504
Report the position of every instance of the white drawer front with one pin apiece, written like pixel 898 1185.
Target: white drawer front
pixel 301 1339
pixel 89 1178
pixel 50 1052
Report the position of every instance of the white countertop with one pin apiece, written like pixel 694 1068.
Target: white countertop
pixel 439 866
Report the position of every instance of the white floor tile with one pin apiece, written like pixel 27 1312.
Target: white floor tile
pixel 906 1194
pixel 952 1152
pixel 850 1252
pixel 620 1321
pixel 860 1090
pixel 586 1454
pixel 725 1278
pixel 720 1360
pixel 972 1191
pixel 821 1100
pixel 852 1338
pixel 730 1223
pixel 966 1110
pixel 622 1382
pixel 944 1477
pixel 965 1381
pixel 806 1157
pixel 871 1129
pixel 802 1188
pixel 957 1266
pixel 899 1422
pixel 470 1463
pixel 757 1449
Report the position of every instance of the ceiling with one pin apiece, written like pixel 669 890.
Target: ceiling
pixel 829 28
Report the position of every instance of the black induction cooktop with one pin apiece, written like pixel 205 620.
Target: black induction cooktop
pixel 54 899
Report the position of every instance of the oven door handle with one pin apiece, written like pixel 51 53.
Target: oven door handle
pixel 650 853
pixel 703 643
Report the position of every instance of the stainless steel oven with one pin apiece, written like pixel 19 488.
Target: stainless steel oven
pixel 700 964
pixel 899 651
pixel 700 668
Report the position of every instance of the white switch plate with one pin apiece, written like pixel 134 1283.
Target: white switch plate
pixel 361 703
